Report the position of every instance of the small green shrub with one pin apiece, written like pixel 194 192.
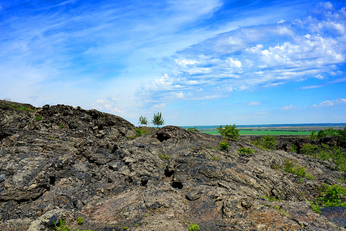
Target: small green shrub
pixel 141 131
pixel 223 146
pixel 80 220
pixel 331 196
pixel 193 227
pixel 229 132
pixel 313 135
pixel 163 157
pixel 130 137
pixel 321 134
pixel 294 148
pixel 315 207
pixel 331 132
pixel 20 107
pixel 258 144
pixel 269 142
pixel 342 137
pixel 310 177
pixel 61 126
pixel 136 225
pixel 281 210
pixel 338 157
pixel 275 166
pixel 300 180
pixel 38 118
pixel 215 158
pixel 310 149
pixel 288 165
pixel 323 155
pixel 62 226
pixel 125 228
pixel 245 151
pixel 300 171
pixel 270 198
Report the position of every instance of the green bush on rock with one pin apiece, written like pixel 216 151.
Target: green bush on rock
pixel 269 142
pixel 223 146
pixel 193 227
pixel 229 132
pixel 331 196
pixel 245 151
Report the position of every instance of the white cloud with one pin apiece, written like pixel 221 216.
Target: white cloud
pixel 341 80
pixel 330 103
pixel 180 95
pixel 234 63
pixel 201 70
pixel 100 101
pixel 281 21
pixel 113 99
pixel 186 62
pixel 254 103
pixel 159 106
pixel 287 107
pixel 258 56
pixel 116 110
pixel 310 87
pixel 108 106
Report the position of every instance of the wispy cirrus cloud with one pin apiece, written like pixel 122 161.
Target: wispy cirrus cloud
pixel 310 87
pixel 254 103
pixel 260 56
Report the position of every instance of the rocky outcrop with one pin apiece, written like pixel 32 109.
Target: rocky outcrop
pixel 165 180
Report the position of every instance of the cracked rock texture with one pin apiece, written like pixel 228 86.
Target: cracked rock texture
pixel 60 162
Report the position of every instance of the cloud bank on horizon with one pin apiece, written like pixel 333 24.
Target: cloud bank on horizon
pixel 197 62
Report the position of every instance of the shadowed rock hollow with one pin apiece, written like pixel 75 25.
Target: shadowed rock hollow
pixel 64 162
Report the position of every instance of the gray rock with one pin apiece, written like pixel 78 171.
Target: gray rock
pixel 158 180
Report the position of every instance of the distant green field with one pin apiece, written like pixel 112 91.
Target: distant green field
pixel 263 133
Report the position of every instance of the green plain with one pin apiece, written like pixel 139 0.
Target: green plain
pixel 242 132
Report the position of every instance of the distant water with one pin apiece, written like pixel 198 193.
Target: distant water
pixel 270 125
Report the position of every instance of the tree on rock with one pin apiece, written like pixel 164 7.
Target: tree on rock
pixel 157 119
pixel 229 132
pixel 143 120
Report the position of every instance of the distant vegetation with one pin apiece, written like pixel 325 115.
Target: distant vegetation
pixel 266 142
pixel 158 119
pixel 193 129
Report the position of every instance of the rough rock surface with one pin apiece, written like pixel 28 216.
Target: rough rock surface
pixel 60 162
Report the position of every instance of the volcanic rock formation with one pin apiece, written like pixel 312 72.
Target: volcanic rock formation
pixel 60 162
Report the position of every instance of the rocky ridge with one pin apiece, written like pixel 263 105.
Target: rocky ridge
pixel 59 162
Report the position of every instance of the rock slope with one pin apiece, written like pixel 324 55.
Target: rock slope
pixel 60 162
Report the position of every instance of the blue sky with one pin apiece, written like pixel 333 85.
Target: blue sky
pixel 199 62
